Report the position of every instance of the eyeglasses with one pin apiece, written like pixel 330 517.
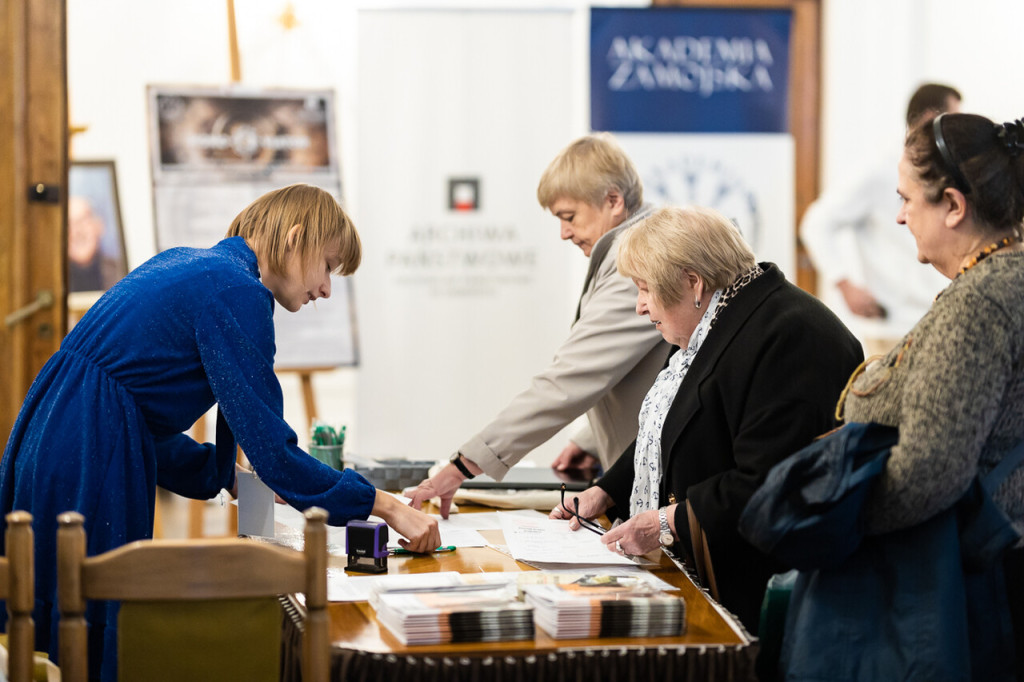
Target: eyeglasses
pixel 586 523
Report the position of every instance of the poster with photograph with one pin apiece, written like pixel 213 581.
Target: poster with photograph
pixel 214 150
pixel 96 255
pixel 234 133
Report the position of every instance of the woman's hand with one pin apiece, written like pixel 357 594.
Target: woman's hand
pixel 594 501
pixel 443 484
pixel 860 301
pixel 420 528
pixel 639 535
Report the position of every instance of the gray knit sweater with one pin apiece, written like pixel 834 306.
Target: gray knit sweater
pixel 955 388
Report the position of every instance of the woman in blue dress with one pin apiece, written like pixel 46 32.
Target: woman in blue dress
pixel 102 425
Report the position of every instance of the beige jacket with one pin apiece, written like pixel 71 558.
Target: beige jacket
pixel 604 368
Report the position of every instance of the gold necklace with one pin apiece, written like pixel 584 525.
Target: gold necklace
pixel 988 251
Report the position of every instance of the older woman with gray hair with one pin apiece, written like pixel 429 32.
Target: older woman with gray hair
pixel 755 373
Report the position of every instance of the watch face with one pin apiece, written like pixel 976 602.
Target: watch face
pixel 667 539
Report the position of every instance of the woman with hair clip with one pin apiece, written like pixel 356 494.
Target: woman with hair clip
pixel 954 387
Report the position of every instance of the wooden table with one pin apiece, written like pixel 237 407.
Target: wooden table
pixel 714 647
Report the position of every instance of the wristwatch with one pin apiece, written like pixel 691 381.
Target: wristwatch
pixel 456 459
pixel 665 533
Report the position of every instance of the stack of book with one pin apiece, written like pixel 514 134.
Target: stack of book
pixel 605 606
pixel 456 613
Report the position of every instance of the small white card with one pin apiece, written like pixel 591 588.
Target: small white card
pixel 255 506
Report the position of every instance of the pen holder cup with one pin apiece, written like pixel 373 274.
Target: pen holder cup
pixel 331 455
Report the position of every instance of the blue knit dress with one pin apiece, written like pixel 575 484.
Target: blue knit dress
pixel 103 422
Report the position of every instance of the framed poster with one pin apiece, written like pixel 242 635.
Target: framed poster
pixel 213 150
pixel 96 253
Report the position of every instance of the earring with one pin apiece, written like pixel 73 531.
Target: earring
pixel 696 304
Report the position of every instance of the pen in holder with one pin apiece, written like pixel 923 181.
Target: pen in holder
pixel 366 543
pixel 328 445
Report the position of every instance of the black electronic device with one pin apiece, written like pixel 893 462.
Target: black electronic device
pixel 535 478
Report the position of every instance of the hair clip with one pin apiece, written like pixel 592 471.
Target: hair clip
pixel 947 156
pixel 1011 136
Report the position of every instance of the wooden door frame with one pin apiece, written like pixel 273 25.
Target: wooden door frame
pixel 804 99
pixel 33 154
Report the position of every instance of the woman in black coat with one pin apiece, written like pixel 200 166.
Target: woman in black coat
pixel 758 368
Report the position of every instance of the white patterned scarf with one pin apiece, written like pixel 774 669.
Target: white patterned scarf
pixel 647 456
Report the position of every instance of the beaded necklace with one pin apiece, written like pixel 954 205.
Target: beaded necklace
pixel 988 251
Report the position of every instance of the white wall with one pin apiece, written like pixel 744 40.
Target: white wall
pixel 875 53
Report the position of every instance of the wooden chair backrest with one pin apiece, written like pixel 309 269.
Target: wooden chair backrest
pixel 190 570
pixel 701 553
pixel 17 587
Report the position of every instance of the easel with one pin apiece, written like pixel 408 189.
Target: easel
pixel 288 21
pixel 196 508
pixel 306 380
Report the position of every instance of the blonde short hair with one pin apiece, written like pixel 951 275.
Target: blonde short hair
pixel 587 170
pixel 701 240
pixel 266 221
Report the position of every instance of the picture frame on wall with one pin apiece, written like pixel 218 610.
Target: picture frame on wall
pixel 96 251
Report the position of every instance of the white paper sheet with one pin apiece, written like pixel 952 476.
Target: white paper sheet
pixel 342 586
pixel 484 520
pixel 255 506
pixel 551 541
pixel 456 533
pixel 457 537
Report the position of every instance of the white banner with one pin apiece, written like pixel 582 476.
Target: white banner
pixel 747 177
pixel 465 290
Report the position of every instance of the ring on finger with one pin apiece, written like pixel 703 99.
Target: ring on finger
pixel 618 547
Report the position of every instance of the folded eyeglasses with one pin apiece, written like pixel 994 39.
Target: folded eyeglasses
pixel 586 523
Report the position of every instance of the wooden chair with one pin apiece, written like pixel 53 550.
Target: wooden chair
pixel 189 583
pixel 701 553
pixel 17 587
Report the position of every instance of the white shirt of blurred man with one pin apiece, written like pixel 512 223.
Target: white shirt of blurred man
pixel 868 270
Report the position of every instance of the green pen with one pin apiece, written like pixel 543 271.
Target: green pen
pixel 402 551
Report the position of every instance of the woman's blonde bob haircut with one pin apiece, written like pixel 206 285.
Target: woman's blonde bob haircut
pixel 587 170
pixel 662 248
pixel 265 224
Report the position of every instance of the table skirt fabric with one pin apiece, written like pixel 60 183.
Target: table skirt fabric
pixel 620 664
pixel 682 664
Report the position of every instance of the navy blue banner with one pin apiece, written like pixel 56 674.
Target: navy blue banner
pixel 671 69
